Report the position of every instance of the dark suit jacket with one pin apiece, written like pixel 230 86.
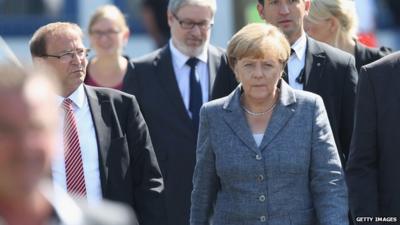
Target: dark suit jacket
pixel 129 171
pixel 365 55
pixel 174 138
pixel 331 73
pixel 373 168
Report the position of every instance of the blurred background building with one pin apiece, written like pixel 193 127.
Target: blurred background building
pixel 379 21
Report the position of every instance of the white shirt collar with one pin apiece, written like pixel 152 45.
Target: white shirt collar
pixel 77 97
pixel 180 59
pixel 299 46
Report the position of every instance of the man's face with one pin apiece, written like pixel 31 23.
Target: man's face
pixel 72 70
pixel 287 15
pixel 191 40
pixel 27 141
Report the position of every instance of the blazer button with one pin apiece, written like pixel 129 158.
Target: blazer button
pixel 263 218
pixel 261 198
pixel 260 178
pixel 258 157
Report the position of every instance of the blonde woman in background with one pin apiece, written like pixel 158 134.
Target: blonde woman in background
pixel 335 23
pixel 108 33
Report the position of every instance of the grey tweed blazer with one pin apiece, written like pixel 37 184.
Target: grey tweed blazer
pixel 293 177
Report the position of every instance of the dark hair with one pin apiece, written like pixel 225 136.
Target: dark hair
pixel 37 45
pixel 261 2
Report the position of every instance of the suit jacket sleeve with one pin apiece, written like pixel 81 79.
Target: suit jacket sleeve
pixel 205 180
pixel 327 180
pixel 147 179
pixel 347 109
pixel 362 165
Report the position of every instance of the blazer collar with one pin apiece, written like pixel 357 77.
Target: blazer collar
pixel 101 114
pixel 315 62
pixel 236 120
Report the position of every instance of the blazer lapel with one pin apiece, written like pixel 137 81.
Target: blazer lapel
pixel 166 74
pixel 236 120
pixel 101 114
pixel 281 115
pixel 214 61
pixel 315 62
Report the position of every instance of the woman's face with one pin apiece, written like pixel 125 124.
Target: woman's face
pixel 107 37
pixel 259 77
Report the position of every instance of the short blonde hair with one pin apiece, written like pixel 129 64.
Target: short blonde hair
pixel 257 40
pixel 343 10
pixel 38 42
pixel 109 12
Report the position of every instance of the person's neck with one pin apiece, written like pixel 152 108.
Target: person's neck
pixel 110 62
pixel 30 209
pixel 292 39
pixel 347 44
pixel 260 106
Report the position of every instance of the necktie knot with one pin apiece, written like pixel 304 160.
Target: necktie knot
pixel 67 104
pixel 192 62
pixel 292 51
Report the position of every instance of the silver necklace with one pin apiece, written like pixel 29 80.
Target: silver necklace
pixel 258 113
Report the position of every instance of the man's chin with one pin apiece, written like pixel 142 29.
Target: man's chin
pixel 194 50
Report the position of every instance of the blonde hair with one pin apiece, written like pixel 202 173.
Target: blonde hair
pixel 109 12
pixel 257 40
pixel 343 10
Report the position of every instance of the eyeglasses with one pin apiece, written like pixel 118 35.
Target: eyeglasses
pixel 188 25
pixel 100 33
pixel 68 56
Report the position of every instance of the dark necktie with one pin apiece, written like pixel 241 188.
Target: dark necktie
pixel 196 99
pixel 72 153
pixel 285 75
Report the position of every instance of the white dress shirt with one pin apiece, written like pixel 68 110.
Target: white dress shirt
pixel 182 74
pixel 88 144
pixel 258 138
pixel 297 61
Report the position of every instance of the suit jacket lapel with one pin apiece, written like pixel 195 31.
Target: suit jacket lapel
pixel 284 110
pixel 236 120
pixel 315 62
pixel 101 114
pixel 214 61
pixel 166 74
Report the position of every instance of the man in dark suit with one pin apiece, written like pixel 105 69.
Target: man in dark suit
pixel 105 151
pixel 316 67
pixel 28 126
pixel 373 170
pixel 170 91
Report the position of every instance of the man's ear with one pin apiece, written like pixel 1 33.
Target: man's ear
pixel 260 9
pixel 170 17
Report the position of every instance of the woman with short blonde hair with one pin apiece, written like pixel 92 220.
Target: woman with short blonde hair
pixel 266 152
pixel 335 23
